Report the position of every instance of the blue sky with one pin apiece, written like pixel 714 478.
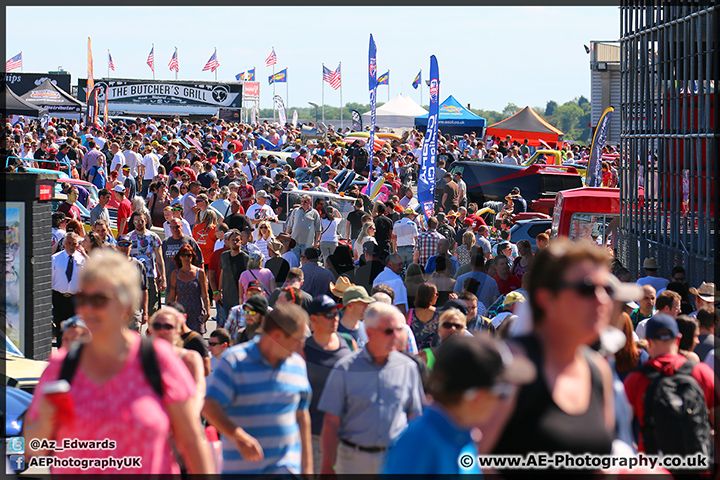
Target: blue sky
pixel 487 56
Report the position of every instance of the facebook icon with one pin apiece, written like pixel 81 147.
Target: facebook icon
pixel 17 462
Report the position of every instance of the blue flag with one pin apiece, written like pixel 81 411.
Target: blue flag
pixel 279 77
pixel 426 180
pixel 372 85
pixel 417 80
pixel 250 77
pixel 384 79
pixel 594 168
pixel 240 76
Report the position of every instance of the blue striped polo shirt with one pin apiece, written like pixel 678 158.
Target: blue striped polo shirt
pixel 263 401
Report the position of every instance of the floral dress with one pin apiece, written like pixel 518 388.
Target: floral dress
pixel 463 254
pixel 426 334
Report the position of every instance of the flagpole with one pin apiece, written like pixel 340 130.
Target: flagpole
pixel 421 87
pixel 323 94
pixel 21 63
pixel 388 84
pixel 287 92
pixel 273 49
pixel 341 103
pixel 108 60
pixel 216 68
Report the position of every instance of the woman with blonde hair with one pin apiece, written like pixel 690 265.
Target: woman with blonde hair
pixel 265 234
pixel 166 324
pixel 367 234
pixel 110 394
pixel 462 252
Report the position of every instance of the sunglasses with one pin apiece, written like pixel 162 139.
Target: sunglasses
pixel 332 314
pixel 176 227
pixel 456 326
pixel 162 326
pixel 250 312
pixel 214 344
pixel 585 287
pixel 186 255
pixel 263 228
pixel 123 244
pixel 97 300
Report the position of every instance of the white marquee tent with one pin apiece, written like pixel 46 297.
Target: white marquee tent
pixel 397 113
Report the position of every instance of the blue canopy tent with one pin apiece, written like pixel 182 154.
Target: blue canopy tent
pixel 454 119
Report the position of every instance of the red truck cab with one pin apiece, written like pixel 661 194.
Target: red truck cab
pixel 587 213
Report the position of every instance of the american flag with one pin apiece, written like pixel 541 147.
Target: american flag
pixel 174 66
pixel 336 79
pixel 111 65
pixel 271 59
pixel 327 74
pixel 15 62
pixel 151 59
pixel 212 64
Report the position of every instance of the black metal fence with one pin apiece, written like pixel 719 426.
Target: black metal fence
pixel 670 112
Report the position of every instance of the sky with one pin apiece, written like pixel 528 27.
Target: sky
pixel 487 56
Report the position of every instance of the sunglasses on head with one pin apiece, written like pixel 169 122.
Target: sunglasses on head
pixel 162 326
pixel 585 287
pixel 97 300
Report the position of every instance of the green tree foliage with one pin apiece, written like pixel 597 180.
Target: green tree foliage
pixel 550 108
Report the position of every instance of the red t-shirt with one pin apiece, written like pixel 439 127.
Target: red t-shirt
pixel 214 265
pixel 124 211
pixel 477 221
pixel 245 192
pixel 513 282
pixel 71 210
pixel 636 384
pixel 300 161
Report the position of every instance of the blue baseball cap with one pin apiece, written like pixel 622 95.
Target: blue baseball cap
pixel 661 327
pixel 322 304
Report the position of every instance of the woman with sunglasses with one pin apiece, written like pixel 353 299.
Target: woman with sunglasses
pixel 452 322
pixel 367 234
pixel 111 396
pixel 265 234
pixel 569 407
pixel 165 324
pixel 188 287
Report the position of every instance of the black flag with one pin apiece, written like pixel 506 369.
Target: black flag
pixel 356 120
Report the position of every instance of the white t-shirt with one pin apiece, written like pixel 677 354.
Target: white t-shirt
pixel 257 212
pixel 405 230
pixel 151 163
pixel 118 159
pixel 328 229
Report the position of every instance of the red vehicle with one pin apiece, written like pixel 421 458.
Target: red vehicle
pixel 587 213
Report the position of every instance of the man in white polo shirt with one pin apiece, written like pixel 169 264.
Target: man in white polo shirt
pixel 404 233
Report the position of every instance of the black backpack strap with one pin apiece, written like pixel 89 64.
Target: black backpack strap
pixel 148 359
pixel 70 362
pixel 686 368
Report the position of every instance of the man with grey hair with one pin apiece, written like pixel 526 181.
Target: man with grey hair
pixel 66 266
pixel 303 225
pixel 376 382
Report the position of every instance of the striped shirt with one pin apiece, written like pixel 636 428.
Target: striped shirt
pixel 264 402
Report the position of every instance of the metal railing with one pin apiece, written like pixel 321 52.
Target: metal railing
pixel 669 137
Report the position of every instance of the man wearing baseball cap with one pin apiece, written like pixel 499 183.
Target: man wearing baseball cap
pixel 124 209
pixel 663 338
pixel 355 300
pixel 470 375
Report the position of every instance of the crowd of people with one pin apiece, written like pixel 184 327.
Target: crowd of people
pixel 368 341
